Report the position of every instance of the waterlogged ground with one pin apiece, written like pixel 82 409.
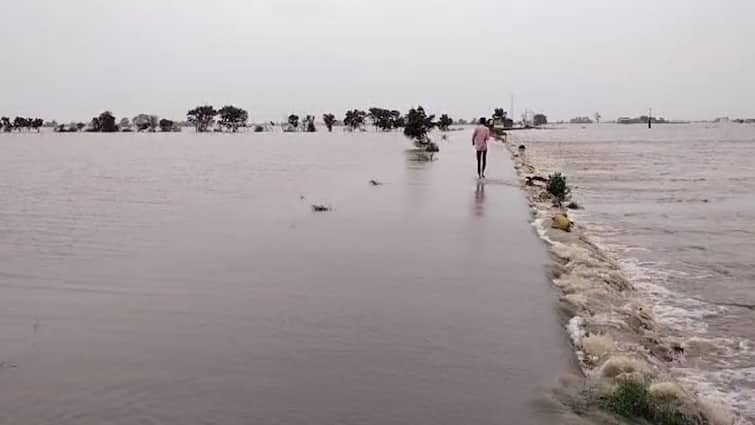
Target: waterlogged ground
pixel 184 279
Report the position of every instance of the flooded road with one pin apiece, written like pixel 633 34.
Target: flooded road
pixel 185 279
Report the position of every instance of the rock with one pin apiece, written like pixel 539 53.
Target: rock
pixel 574 206
pixel 562 222
pixel 522 147
pixel 375 183
pixel 320 208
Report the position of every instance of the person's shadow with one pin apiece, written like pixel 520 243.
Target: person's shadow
pixel 479 199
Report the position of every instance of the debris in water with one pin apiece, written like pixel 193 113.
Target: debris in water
pixel 533 180
pixel 376 183
pixel 320 208
pixel 574 206
pixel 561 221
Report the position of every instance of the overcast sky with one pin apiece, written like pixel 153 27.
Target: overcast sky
pixel 71 59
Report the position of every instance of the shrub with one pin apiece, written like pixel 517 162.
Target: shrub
pixel 557 187
pixel 633 400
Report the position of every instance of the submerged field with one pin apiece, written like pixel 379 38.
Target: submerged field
pixel 183 278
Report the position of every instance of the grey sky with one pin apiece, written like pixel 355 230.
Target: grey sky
pixel 71 59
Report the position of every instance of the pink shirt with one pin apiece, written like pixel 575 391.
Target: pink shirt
pixel 480 138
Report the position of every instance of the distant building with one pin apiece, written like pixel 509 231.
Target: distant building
pixel 580 120
pixel 643 119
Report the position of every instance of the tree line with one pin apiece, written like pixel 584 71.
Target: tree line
pixel 416 123
pixel 20 123
pixel 206 118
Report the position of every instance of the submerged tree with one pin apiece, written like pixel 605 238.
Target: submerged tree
pixel 397 120
pixel 444 122
pixel 232 118
pixel 167 125
pixel 293 121
pixel 385 119
pixel 19 123
pixel 329 120
pixel 125 124
pixel 418 124
pixel 94 125
pixel 354 120
pixel 144 122
pixel 154 122
pixel 36 123
pixel 309 124
pixel 106 122
pixel 202 117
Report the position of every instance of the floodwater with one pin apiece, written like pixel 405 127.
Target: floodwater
pixel 185 279
pixel 676 206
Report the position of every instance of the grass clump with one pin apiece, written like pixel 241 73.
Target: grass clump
pixel 557 187
pixel 633 400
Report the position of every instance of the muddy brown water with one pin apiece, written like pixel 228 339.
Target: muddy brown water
pixel 182 279
pixel 675 207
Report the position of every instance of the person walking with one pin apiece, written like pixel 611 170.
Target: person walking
pixel 480 139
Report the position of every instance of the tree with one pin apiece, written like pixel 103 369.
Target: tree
pixel 167 125
pixel 597 117
pixel 385 119
pixel 7 125
pixel 80 126
pixel 124 124
pixel 329 120
pixel 354 120
pixel 153 123
pixel 232 118
pixel 106 122
pixel 293 121
pixel 309 124
pixel 142 122
pixel 202 117
pixel 378 117
pixel 19 123
pixel 539 119
pixel 418 124
pixel 36 123
pixel 444 122
pixel 397 120
pixel 94 125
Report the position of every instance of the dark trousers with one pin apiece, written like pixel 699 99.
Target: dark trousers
pixel 482 162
